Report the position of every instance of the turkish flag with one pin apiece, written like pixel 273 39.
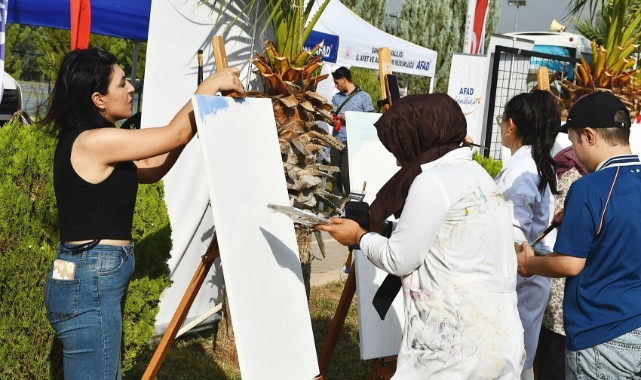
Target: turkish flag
pixel 480 14
pixel 80 24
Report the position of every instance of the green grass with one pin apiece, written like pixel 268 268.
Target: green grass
pixel 193 357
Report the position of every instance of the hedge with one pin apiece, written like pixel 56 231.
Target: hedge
pixel 28 238
pixel 492 166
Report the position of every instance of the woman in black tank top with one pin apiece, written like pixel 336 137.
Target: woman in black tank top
pixel 97 168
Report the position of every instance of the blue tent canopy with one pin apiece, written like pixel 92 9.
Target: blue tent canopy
pixel 118 18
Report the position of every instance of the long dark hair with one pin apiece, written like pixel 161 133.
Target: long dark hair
pixel 537 123
pixel 81 73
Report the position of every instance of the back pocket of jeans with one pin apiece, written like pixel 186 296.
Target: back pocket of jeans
pixel 62 298
pixel 106 265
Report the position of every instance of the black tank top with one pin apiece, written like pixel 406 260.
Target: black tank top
pixel 89 211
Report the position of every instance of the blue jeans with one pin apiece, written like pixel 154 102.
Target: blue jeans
pixel 86 312
pixel 619 358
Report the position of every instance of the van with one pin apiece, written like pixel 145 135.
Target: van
pixel 11 98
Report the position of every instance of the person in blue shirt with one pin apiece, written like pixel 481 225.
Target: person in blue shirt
pixel 597 245
pixel 349 98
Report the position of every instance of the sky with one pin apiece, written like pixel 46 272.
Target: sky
pixel 536 15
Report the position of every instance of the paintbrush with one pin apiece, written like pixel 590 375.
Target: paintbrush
pixel 200 67
pixel 546 231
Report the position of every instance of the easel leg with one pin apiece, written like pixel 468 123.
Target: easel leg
pixel 338 322
pixel 181 313
pixel 383 368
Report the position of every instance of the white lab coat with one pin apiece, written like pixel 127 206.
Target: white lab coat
pixel 531 212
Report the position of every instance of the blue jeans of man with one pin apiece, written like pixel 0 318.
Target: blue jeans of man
pixel 86 312
pixel 619 358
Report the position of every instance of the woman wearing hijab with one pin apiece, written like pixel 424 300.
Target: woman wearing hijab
pixel 451 247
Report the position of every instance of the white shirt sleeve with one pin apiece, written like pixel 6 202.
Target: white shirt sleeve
pixel 425 209
pixel 521 193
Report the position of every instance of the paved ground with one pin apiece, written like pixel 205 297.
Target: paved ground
pixel 328 269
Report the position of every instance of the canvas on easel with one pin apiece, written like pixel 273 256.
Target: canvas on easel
pixel 263 277
pixel 370 162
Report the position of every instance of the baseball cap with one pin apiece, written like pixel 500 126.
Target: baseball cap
pixel 596 110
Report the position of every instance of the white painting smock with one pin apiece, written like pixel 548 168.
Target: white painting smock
pixel 453 249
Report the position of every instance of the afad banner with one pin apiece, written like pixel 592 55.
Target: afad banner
pixel 409 61
pixel 468 85
pixel 330 45
pixel 477 11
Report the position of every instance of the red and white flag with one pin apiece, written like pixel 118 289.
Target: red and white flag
pixel 477 11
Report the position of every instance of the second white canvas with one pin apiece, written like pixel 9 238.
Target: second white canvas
pixel 370 162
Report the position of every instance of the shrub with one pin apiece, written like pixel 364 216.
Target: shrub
pixel 28 238
pixel 492 166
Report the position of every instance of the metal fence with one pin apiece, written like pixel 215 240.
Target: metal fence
pixel 513 72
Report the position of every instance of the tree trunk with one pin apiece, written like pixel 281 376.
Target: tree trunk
pixel 304 240
pixel 224 344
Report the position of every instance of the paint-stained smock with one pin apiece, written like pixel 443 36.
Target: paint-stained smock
pixel 453 249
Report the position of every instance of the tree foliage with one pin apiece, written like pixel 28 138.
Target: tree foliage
pixel 372 11
pixel 595 26
pixel 438 25
pixel 435 24
pixel 35 53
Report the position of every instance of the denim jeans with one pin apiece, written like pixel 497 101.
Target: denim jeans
pixel 619 358
pixel 86 312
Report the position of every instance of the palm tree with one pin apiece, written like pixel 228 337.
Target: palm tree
pixel 614 26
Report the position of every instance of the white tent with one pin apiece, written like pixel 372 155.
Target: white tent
pixel 358 43
pixel 170 79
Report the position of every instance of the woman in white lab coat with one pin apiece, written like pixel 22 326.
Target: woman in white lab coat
pixel 529 125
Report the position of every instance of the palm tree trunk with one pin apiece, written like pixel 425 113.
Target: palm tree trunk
pixel 304 240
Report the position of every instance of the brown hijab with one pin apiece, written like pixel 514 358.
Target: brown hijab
pixel 417 129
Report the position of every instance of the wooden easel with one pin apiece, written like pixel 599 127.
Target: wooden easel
pixel 204 266
pixel 167 340
pixel 543 78
pixel 384 68
pixel 382 368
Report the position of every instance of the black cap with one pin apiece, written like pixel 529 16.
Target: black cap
pixel 596 110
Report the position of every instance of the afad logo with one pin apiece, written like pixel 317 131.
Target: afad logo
pixel 326 50
pixel 423 65
pixel 467 100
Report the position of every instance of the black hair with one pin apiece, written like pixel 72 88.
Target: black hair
pixel 537 123
pixel 342 72
pixel 81 73
pixel 617 135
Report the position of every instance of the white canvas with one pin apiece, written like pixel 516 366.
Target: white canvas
pixel 370 161
pixel 258 249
